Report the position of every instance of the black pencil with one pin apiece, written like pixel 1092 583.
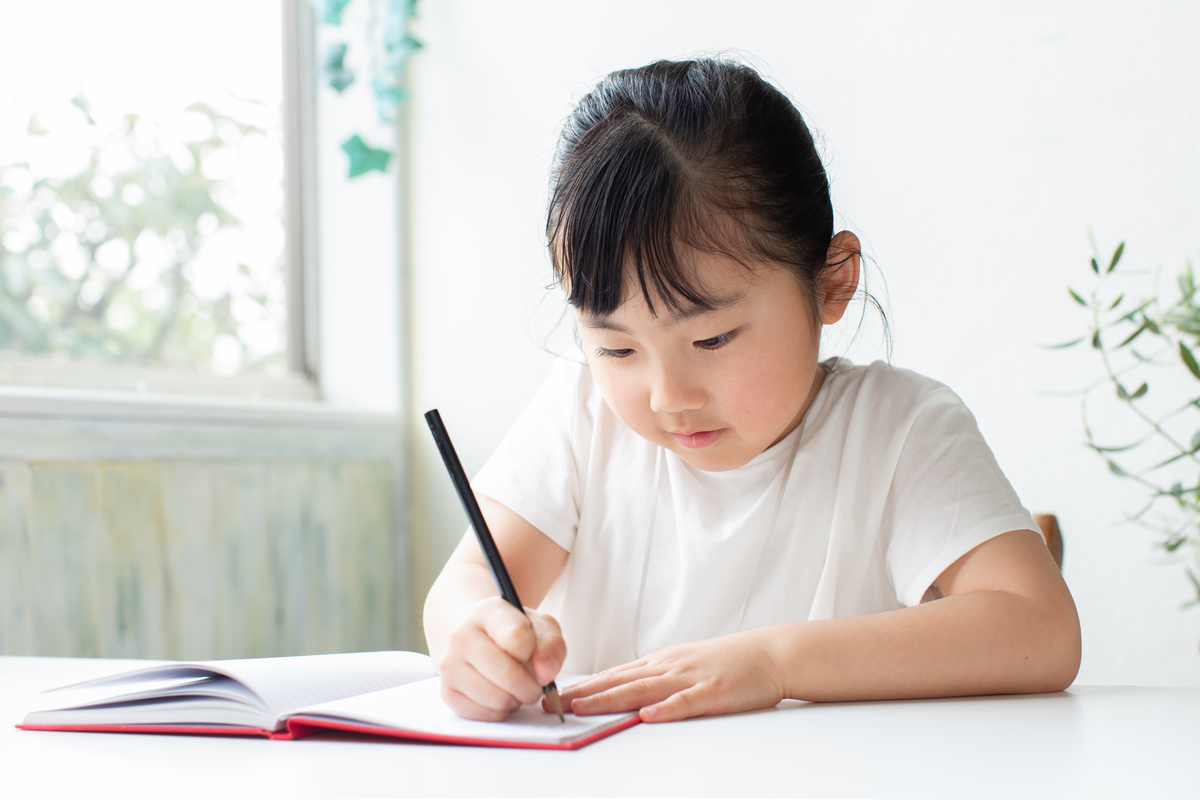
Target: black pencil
pixel 486 543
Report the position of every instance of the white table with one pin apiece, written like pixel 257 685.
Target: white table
pixel 1090 741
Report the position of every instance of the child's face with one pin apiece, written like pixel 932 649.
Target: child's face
pixel 716 387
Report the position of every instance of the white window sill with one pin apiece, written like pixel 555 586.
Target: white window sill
pixel 39 423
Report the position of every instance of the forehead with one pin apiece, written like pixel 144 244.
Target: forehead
pixel 724 281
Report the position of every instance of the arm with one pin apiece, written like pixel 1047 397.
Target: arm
pixel 485 650
pixel 1006 624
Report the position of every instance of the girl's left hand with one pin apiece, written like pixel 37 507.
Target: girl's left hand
pixel 714 676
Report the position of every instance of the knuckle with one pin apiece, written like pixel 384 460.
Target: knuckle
pixel 512 673
pixel 546 623
pixel 518 640
pixel 553 641
pixel 459 639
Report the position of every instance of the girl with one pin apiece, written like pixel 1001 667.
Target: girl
pixel 705 515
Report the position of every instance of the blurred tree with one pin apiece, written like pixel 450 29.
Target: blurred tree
pixel 100 264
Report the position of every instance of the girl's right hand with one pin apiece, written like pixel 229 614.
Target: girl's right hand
pixel 498 658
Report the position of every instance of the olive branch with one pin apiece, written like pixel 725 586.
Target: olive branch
pixel 1139 341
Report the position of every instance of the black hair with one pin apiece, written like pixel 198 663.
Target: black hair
pixel 670 154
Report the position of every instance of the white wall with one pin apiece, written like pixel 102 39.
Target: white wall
pixel 971 147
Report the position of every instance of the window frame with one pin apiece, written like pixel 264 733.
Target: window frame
pixel 23 376
pixel 354 325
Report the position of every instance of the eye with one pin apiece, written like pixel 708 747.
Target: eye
pixel 717 342
pixel 604 352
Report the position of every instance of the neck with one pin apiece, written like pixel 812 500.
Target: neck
pixel 817 381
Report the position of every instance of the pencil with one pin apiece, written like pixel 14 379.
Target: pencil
pixel 482 533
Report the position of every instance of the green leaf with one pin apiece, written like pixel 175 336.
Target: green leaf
pixel 1121 393
pixel 1166 462
pixel 1096 340
pixel 1132 336
pixel 1196 441
pixel 1064 344
pixel 1122 448
pixel 1116 257
pixel 1117 302
pixel 1133 313
pixel 1120 473
pixel 364 158
pixel 1095 267
pixel 1078 299
pixel 1141 390
pixel 1173 544
pixel 1189 360
pixel 1195 583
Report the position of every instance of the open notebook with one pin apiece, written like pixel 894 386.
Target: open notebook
pixel 387 693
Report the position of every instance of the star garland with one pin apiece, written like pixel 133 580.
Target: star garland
pixel 395 45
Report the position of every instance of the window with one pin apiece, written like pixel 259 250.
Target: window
pixel 142 208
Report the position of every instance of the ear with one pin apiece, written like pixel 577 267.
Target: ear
pixel 840 278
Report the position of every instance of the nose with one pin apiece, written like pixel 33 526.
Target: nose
pixel 674 389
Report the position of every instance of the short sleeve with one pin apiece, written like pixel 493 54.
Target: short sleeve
pixel 536 470
pixel 948 496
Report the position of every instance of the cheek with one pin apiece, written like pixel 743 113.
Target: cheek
pixel 623 393
pixel 772 384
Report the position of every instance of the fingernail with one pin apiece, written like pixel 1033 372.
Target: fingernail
pixel 552 665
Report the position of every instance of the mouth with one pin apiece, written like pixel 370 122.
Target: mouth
pixel 698 439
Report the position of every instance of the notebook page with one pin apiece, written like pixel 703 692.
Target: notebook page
pixel 418 707
pixel 294 681
pixel 124 687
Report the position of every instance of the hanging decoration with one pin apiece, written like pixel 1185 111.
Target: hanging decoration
pixel 391 45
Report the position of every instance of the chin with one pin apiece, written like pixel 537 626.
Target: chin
pixel 709 462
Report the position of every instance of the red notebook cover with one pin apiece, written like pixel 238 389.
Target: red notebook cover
pixel 300 726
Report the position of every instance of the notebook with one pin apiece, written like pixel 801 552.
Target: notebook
pixel 394 694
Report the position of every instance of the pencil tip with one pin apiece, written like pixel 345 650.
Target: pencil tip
pixel 554 700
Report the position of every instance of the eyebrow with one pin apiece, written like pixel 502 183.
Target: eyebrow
pixel 603 321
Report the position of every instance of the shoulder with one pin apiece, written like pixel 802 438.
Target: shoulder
pixel 880 388
pixel 572 388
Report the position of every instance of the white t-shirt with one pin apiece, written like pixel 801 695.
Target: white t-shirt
pixel 891 484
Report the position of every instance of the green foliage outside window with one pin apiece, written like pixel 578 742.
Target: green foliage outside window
pixel 103 264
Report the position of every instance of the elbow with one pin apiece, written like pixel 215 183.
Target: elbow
pixel 1070 652
pixel 1060 648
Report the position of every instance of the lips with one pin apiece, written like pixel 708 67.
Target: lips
pixel 698 439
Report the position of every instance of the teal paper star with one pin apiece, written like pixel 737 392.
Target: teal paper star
pixel 330 10
pixel 364 158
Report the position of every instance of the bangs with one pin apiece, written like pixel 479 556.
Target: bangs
pixel 635 203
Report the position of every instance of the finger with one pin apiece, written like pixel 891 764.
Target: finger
pixel 602 681
pixel 681 705
pixel 551 649
pixel 630 696
pixel 467 708
pixel 506 673
pixel 510 630
pixel 479 690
